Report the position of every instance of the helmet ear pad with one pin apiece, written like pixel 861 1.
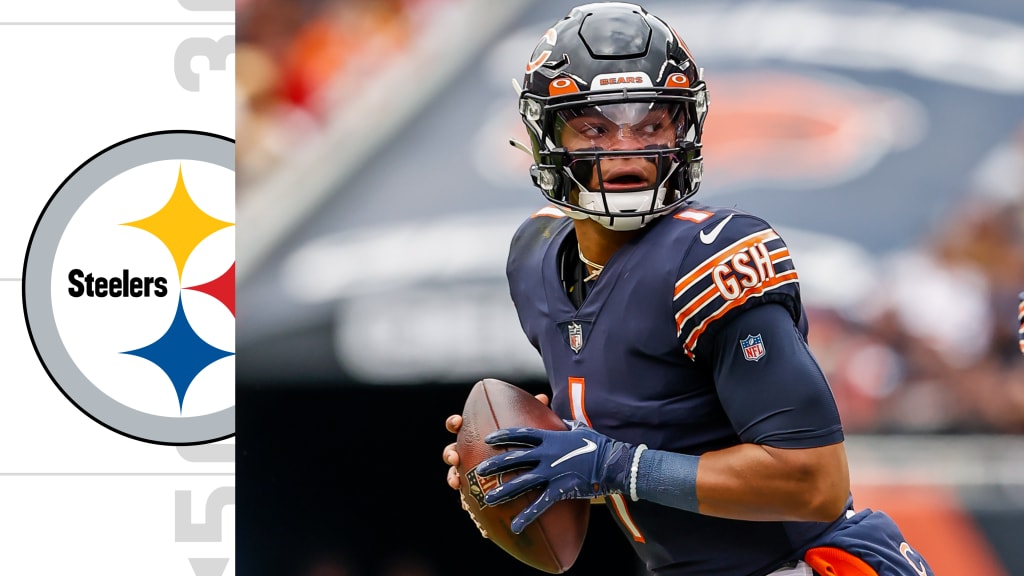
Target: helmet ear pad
pixel 687 178
pixel 549 181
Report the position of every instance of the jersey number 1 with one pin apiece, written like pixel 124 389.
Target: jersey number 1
pixel 577 394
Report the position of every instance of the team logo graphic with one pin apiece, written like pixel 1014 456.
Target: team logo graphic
pixel 129 287
pixel 575 337
pixel 753 347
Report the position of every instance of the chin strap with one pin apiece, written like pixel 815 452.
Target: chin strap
pixel 574 214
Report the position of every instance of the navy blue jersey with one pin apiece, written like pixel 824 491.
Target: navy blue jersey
pixel 868 542
pixel 691 339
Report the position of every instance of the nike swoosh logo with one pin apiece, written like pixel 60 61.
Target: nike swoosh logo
pixel 709 238
pixel 587 448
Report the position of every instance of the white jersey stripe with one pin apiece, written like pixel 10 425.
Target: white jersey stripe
pixel 705 267
pixel 721 253
pixel 691 339
pixel 680 320
pixel 619 506
pixel 702 295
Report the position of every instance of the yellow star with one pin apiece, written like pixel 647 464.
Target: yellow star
pixel 180 224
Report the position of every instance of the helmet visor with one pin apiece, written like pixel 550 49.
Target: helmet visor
pixel 620 126
pixel 622 146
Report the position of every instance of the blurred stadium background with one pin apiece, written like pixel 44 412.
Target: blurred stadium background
pixel 377 195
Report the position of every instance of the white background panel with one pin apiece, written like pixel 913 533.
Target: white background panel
pixel 80 89
pixel 82 499
pixel 118 11
pixel 111 525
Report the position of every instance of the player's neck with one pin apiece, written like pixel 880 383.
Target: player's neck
pixel 599 243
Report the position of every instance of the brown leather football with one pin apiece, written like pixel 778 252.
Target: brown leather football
pixel 553 541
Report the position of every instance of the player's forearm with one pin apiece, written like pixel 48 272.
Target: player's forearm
pixel 753 482
pixel 749 482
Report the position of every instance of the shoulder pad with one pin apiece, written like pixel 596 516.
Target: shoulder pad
pixel 534 235
pixel 542 223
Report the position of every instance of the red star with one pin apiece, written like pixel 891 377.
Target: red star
pixel 222 288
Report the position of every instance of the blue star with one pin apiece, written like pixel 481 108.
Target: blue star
pixel 180 353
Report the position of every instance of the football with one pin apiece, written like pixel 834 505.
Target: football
pixel 554 540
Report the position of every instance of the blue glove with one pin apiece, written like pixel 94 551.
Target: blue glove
pixel 575 463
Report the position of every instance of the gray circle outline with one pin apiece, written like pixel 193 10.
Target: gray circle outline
pixel 39 263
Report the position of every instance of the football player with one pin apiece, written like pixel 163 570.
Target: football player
pixel 672 332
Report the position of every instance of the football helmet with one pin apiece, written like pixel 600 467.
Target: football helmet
pixel 613 101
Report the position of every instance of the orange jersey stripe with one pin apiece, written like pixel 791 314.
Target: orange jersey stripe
pixel 712 291
pixel 779 280
pixel 721 256
pixel 577 399
pixel 619 506
pixel 695 306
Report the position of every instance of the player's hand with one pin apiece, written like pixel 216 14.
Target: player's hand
pixel 576 463
pixel 451 456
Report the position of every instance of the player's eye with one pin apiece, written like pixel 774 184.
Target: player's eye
pixel 593 131
pixel 655 125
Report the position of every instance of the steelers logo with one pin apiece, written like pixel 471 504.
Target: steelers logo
pixel 129 287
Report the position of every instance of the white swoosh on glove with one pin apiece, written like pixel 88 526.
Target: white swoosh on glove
pixel 587 448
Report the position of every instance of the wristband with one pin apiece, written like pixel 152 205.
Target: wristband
pixel 667 478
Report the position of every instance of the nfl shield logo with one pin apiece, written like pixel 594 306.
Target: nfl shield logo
pixel 753 347
pixel 575 337
pixel 480 486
